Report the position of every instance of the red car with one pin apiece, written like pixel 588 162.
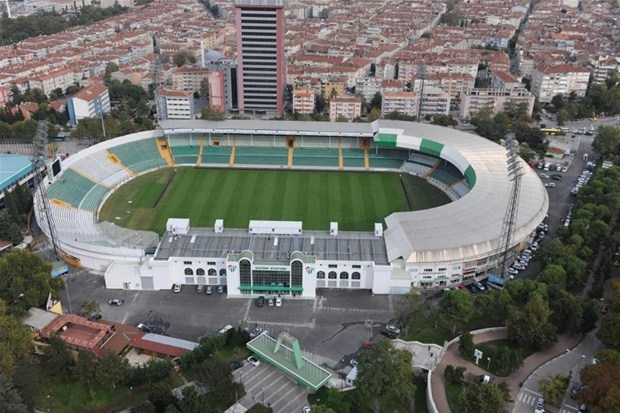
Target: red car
pixel 462 286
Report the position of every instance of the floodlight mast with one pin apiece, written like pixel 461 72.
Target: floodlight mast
pixel 515 173
pixel 39 156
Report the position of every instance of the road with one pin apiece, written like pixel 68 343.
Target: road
pixel 568 364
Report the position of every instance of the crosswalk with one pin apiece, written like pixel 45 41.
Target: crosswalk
pixel 529 398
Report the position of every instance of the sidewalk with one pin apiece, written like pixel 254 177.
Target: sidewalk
pixel 514 381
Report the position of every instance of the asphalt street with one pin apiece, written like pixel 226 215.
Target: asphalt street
pixel 568 364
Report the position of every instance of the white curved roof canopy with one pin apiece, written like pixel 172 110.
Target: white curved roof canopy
pixel 470 227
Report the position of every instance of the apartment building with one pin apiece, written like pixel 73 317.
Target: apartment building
pixel 261 71
pixel 175 104
pixel 58 79
pixel 92 101
pixel 303 101
pixel 434 101
pixel 188 77
pixel 495 100
pixel 333 88
pixel 367 87
pixel 401 102
pixel 548 81
pixel 348 107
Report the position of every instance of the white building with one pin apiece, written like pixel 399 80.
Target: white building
pixel 348 107
pixel 401 102
pixel 304 100
pixel 548 81
pixel 175 104
pixel 89 102
pixel 495 100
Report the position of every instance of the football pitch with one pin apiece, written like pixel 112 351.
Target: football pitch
pixel 356 200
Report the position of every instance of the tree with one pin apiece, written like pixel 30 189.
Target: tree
pixel 341 118
pixel 408 307
pixel 553 388
pixel 554 275
pixel 466 344
pixel 89 307
pixel 204 88
pixel 321 408
pixel 15 341
pixel 601 389
pixel 374 114
pixel 333 400
pixel 530 326
pixel 57 358
pixel 111 369
pixel 384 372
pixel 216 376
pixel 609 332
pixel 209 113
pixel 85 368
pixel 26 381
pixel 183 57
pixel 607 141
pixel 193 402
pixel 457 307
pixel 25 280
pixel 444 120
pixel 10 400
pixel 483 398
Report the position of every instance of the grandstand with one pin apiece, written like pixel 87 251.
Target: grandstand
pixel 408 252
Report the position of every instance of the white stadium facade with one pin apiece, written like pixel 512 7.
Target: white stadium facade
pixel 429 248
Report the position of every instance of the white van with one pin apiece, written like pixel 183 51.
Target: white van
pixel 547 166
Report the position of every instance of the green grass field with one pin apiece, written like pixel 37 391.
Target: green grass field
pixel 356 200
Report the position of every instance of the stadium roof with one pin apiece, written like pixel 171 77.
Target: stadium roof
pixel 13 168
pixel 469 227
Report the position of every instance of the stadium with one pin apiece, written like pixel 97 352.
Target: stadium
pixel 426 248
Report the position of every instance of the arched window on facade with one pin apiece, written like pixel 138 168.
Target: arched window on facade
pixel 223 272
pixel 332 275
pixel 200 271
pixel 344 275
pixel 189 271
pixel 356 276
pixel 320 274
pixel 212 272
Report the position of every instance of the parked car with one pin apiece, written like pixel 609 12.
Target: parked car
pixel 480 286
pixel 512 271
pixel 254 361
pixel 575 390
pixel 271 302
pixel 209 290
pixel 94 317
pixel 389 334
pixel 144 328
pixel 540 405
pixel 583 408
pixel 393 328
pixel 544 176
pixel 556 177
pixel 176 288
pixel 260 301
pixel 278 302
pixel 235 365
pixel 116 301
pixel 255 332
pixel 200 288
pixel 220 289
pixel 306 409
pixel 550 184
pixel 353 362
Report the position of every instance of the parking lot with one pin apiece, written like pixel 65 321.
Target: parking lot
pixel 267 385
pixel 331 326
